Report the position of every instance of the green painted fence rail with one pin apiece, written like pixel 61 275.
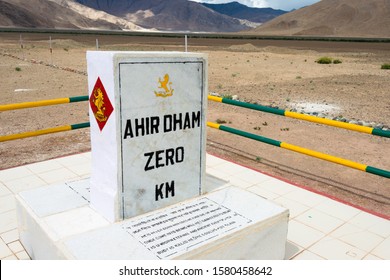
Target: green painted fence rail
pixel 4 138
pixel 41 103
pixel 286 113
pixel 330 158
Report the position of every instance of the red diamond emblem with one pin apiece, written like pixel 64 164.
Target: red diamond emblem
pixel 100 104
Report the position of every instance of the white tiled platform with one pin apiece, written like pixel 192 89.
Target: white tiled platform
pixel 319 227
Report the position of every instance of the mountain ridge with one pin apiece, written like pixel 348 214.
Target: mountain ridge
pixel 46 14
pixel 346 18
pixel 168 15
pixel 131 15
pixel 240 11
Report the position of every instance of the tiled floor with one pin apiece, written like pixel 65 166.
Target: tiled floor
pixel 319 227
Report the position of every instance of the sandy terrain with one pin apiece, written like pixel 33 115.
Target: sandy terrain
pixel 279 73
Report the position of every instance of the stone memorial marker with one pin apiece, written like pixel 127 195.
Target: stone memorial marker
pixel 147 114
pixel 145 198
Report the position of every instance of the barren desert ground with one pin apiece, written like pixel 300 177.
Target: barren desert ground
pixel 282 74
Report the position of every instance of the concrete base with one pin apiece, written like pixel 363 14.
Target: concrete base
pixel 57 222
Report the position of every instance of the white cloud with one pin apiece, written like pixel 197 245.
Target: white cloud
pixel 286 5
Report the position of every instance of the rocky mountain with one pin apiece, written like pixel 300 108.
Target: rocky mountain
pixel 46 14
pixel 237 10
pixel 169 15
pixel 346 18
pixel 94 14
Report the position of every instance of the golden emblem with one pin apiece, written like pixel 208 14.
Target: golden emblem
pixel 166 87
pixel 100 104
pixel 98 100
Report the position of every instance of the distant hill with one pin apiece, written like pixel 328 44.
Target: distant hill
pixel 168 15
pixel 11 15
pixel 237 10
pixel 45 14
pixel 346 18
pixel 97 15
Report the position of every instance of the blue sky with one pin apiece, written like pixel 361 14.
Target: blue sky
pixel 286 5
